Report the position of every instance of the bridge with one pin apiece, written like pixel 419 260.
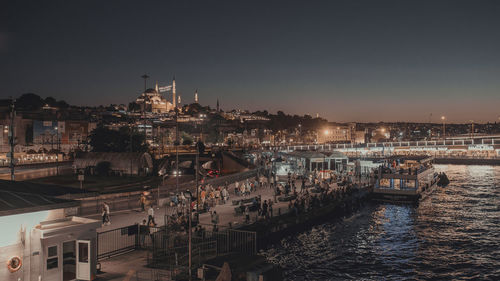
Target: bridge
pixel 486 147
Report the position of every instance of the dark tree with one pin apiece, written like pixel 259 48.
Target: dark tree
pixel 28 136
pixel 29 101
pixel 134 107
pixel 50 101
pixel 124 140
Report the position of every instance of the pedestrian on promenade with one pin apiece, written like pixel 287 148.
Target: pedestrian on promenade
pixel 105 214
pixel 236 188
pixel 151 216
pixel 143 231
pixel 247 214
pixel 225 195
pixel 142 200
pixel 264 210
pixel 215 220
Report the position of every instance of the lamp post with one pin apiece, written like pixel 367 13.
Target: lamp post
pixel 198 145
pixel 444 127
pixel 300 133
pixel 471 129
pixel 12 140
pixel 176 151
pixel 57 153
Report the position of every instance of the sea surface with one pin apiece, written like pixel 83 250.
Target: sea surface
pixel 454 234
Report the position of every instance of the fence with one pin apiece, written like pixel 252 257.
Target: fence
pixel 117 241
pixel 173 250
pixel 126 239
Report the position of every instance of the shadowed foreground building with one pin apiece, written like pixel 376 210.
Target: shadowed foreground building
pixel 41 239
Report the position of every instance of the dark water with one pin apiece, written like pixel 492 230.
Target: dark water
pixel 452 235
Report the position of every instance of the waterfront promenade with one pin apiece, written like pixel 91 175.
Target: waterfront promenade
pixel 225 211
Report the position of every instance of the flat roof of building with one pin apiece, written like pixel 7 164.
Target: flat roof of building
pixel 31 187
pixel 13 202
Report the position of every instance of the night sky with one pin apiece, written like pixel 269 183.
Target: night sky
pixel 346 60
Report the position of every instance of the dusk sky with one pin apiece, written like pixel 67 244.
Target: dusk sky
pixel 346 60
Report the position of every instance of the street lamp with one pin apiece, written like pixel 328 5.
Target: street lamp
pixel 471 129
pixel 444 127
pixel 57 151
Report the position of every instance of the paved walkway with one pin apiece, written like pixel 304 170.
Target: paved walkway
pixel 123 267
pixel 226 211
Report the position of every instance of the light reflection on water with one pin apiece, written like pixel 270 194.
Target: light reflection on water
pixel 453 234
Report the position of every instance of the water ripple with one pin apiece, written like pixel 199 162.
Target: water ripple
pixel 453 235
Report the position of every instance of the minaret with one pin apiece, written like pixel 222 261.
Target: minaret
pixel 196 96
pixel 173 93
pixel 179 101
pixel 217 104
pixel 156 88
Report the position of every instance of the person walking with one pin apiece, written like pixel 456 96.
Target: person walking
pixel 247 214
pixel 264 210
pixel 151 216
pixel 105 214
pixel 225 195
pixel 215 220
pixel 142 200
pixel 143 231
pixel 236 188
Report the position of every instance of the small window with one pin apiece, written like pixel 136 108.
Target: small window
pixel 83 252
pixel 52 258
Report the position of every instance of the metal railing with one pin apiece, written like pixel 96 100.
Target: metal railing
pixel 117 241
pixel 173 248
pixel 487 141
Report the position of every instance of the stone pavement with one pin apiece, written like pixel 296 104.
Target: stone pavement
pixel 123 267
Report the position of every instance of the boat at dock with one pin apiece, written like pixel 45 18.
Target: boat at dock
pixel 406 182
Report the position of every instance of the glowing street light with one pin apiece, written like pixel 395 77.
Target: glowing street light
pixel 444 127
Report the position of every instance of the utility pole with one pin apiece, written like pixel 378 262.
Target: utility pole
pixel 444 127
pixel 190 235
pixel 472 129
pixel 196 171
pixel 57 146
pixel 176 150
pixel 11 140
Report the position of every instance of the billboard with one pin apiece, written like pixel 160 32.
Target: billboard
pixel 45 132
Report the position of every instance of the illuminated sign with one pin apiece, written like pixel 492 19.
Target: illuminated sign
pixel 480 147
pixel 165 88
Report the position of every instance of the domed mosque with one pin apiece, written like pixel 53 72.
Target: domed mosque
pixel 152 101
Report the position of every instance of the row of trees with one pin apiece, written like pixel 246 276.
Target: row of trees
pixel 282 121
pixel 125 139
pixel 32 102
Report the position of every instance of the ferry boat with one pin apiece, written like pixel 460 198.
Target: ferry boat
pixel 408 182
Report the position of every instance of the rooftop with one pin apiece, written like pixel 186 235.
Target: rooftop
pixel 12 202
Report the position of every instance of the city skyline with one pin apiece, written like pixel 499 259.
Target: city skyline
pixel 361 62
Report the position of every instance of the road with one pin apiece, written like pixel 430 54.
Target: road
pixel 26 173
